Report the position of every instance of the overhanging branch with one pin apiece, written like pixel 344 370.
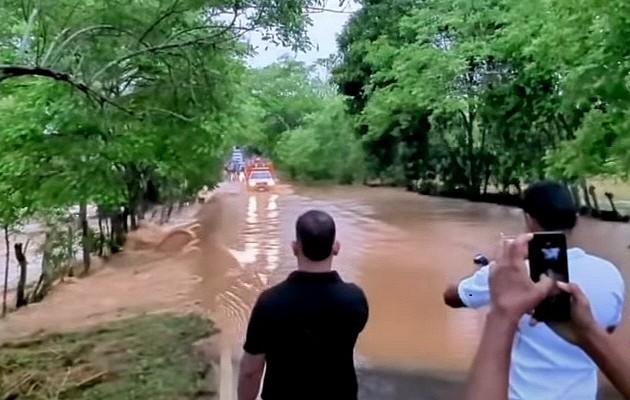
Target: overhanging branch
pixel 168 45
pixel 14 71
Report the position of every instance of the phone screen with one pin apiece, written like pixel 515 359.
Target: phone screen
pixel 548 254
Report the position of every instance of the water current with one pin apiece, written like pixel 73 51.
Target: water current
pixel 403 249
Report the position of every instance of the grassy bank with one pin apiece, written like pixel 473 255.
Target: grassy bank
pixel 147 357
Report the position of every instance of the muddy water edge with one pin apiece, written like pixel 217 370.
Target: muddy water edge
pixel 403 249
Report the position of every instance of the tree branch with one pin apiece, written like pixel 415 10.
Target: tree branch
pixel 171 113
pixel 13 71
pixel 168 46
pixel 323 9
pixel 170 11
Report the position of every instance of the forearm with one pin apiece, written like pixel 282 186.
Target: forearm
pixel 489 375
pixel 451 297
pixel 249 386
pixel 612 358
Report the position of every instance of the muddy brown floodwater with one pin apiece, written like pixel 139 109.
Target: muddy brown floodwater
pixel 402 249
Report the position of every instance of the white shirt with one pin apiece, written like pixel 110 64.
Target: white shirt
pixel 544 366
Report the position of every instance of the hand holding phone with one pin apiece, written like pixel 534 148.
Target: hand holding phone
pixel 548 255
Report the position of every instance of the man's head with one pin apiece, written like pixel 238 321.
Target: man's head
pixel 549 206
pixel 315 237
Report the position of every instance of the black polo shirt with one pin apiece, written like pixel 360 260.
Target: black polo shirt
pixel 307 327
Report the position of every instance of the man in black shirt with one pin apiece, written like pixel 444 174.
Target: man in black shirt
pixel 305 328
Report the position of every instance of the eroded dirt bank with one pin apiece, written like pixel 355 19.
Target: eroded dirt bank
pixel 160 270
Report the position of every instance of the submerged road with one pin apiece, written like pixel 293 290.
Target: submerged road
pixel 402 249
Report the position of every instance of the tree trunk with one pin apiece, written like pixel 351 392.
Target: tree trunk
pixel 133 218
pixel 20 300
pixel 591 190
pixel 169 212
pixel 575 191
pixel 44 282
pixel 142 212
pixel 85 237
pixel 117 232
pixel 6 270
pixel 101 236
pixel 125 219
pixel 469 127
pixel 70 252
pixel 486 180
pixel 162 215
pixel 586 195
pixel 108 228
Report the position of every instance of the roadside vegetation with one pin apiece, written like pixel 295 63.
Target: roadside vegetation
pixel 488 94
pixel 147 357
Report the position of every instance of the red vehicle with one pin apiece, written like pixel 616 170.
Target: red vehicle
pixel 260 176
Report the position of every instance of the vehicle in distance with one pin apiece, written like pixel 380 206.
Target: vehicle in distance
pixel 260 179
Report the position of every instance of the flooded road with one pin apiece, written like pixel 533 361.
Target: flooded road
pixel 403 249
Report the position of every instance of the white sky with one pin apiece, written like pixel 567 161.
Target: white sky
pixel 323 33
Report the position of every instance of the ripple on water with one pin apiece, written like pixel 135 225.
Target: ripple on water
pixel 403 249
pixel 263 250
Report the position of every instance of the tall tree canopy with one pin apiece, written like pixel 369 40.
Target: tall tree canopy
pixel 488 92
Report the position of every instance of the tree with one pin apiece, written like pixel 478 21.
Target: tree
pixel 301 123
pixel 397 136
pixel 324 148
pixel 488 92
pixel 125 104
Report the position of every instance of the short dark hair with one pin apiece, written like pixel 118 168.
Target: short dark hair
pixel 551 204
pixel 315 231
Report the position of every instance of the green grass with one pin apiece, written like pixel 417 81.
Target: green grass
pixel 147 357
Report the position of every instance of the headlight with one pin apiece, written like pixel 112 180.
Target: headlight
pixel 252 183
pixel 271 182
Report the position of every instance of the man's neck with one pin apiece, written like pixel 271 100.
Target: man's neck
pixel 569 235
pixel 570 241
pixel 320 267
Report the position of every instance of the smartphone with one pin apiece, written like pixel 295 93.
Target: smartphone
pixel 548 254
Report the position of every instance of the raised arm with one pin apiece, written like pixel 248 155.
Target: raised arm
pixel 489 375
pixel 513 294
pixel 611 353
pixel 472 292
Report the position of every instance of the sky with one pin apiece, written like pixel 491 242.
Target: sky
pixel 323 33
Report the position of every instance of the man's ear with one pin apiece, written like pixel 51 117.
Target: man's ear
pixel 295 247
pixel 336 248
pixel 531 223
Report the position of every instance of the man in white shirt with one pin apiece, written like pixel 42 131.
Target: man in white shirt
pixel 544 366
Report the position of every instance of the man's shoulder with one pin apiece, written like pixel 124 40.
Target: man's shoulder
pixel 352 290
pixel 281 289
pixel 593 261
pixel 272 292
pixel 589 267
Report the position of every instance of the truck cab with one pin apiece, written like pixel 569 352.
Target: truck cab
pixel 260 179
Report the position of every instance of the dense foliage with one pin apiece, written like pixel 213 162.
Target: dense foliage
pixel 123 104
pixel 489 92
pixel 302 124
